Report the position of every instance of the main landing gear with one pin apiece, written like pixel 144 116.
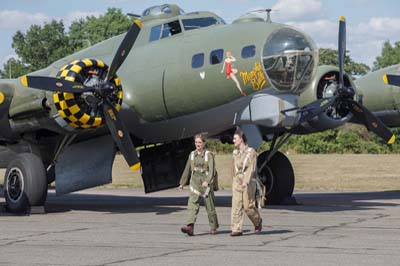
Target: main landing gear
pixel 25 183
pixel 26 180
pixel 276 173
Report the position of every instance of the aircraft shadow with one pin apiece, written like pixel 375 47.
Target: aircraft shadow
pixel 341 201
pixel 249 232
pixel 308 202
pixel 115 204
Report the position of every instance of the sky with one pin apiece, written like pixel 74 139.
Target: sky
pixel 369 23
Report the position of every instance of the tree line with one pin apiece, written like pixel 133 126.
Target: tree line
pixel 347 139
pixel 41 45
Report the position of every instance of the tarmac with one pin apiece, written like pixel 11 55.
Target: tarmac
pixel 126 227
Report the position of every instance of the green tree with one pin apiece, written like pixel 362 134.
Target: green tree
pixel 42 45
pixel 17 69
pixel 390 55
pixel 330 57
pixel 93 30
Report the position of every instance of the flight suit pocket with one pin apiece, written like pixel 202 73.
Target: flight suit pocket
pixel 251 193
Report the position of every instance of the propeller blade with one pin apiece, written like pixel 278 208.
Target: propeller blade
pixel 120 135
pixel 391 79
pixel 314 108
pixel 53 84
pixel 124 48
pixel 341 49
pixel 372 123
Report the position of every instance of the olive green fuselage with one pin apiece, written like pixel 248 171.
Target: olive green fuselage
pixel 157 77
pixel 377 95
pixel 162 83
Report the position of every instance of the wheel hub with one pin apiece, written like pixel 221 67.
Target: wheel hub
pixel 15 184
pixel 267 178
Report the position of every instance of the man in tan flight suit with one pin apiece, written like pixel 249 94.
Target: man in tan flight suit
pixel 244 170
pixel 200 169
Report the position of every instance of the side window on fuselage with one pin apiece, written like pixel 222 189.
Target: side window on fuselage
pixel 198 60
pixel 248 51
pixel 216 56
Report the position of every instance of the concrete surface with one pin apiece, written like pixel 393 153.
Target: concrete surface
pixel 126 227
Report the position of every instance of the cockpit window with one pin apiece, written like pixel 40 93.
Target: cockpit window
pixel 165 30
pixel 290 59
pixel 181 11
pixel 166 9
pixel 197 23
pixel 154 10
pixel 162 9
pixel 155 33
pixel 170 29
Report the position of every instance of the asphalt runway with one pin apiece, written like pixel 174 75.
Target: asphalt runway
pixel 126 227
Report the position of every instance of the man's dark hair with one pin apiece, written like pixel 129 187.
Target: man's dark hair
pixel 241 134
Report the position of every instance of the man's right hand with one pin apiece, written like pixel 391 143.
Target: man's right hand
pixel 180 188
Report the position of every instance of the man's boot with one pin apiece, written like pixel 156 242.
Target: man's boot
pixel 237 233
pixel 188 229
pixel 258 228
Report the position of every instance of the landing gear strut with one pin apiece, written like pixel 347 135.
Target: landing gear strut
pixel 50 170
pixel 276 173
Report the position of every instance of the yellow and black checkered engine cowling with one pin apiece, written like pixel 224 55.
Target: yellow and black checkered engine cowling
pixel 70 106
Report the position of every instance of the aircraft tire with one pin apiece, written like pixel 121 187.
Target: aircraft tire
pixel 25 183
pixel 278 177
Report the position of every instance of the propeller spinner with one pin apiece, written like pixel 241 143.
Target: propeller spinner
pixel 103 89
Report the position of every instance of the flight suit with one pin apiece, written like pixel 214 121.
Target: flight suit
pixel 244 169
pixel 198 171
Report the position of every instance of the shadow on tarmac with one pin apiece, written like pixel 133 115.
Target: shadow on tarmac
pixel 249 232
pixel 341 201
pixel 308 202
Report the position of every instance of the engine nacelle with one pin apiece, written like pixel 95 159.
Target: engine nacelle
pixel 84 110
pixel 324 85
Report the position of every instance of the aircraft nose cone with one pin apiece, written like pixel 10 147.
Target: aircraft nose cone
pixel 290 59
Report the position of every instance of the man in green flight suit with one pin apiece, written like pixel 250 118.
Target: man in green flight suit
pixel 200 169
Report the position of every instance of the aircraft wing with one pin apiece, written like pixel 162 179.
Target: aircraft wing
pixel 379 96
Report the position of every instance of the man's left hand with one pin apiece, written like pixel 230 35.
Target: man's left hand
pixel 205 184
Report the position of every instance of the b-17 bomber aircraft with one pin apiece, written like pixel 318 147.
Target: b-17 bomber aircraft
pixel 171 76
